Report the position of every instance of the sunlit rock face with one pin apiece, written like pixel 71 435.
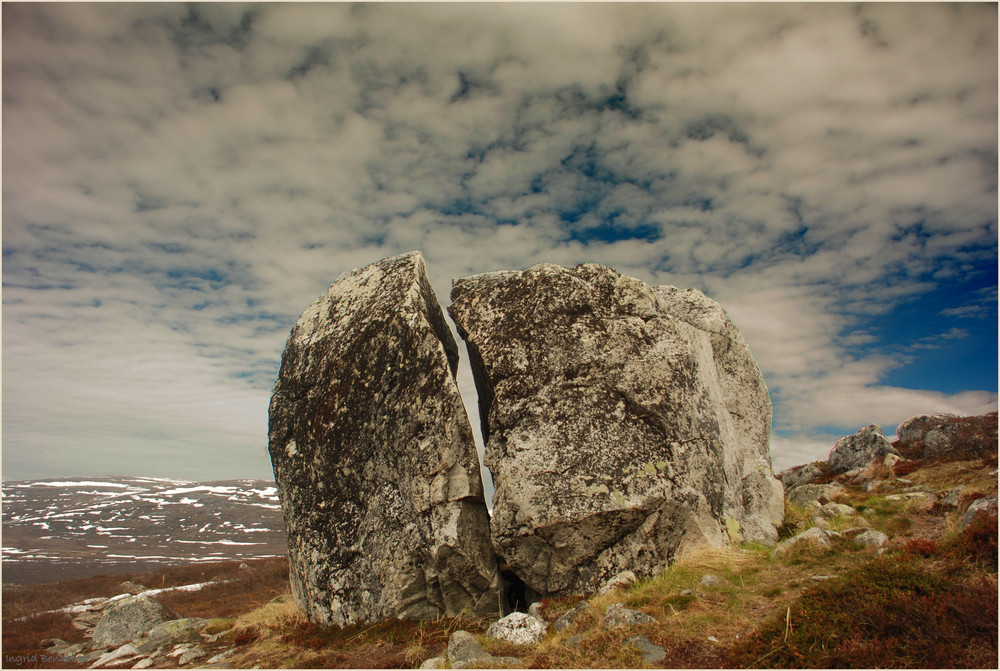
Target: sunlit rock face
pixel 623 423
pixel 859 450
pixel 374 456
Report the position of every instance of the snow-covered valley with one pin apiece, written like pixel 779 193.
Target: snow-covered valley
pixel 78 527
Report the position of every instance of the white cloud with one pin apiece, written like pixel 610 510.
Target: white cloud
pixel 204 171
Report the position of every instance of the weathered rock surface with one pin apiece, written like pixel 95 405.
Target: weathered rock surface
pixel 800 476
pixel 464 647
pixel 815 495
pixel 623 579
pixel 984 506
pixel 174 631
pixel 651 653
pixel 518 628
pixel 860 449
pixel 832 509
pixel 815 537
pixel 871 538
pixel 710 580
pixel 942 435
pixel 374 456
pixel 623 423
pixel 915 428
pixel 617 616
pixel 569 618
pixel 125 652
pixel 128 618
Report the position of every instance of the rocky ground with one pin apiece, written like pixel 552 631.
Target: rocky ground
pixel 892 563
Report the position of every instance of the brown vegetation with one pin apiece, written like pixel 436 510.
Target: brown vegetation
pixel 929 600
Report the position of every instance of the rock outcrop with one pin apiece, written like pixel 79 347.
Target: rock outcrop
pixel 623 423
pixel 128 618
pixel 915 428
pixel 859 450
pixel 948 436
pixel 374 456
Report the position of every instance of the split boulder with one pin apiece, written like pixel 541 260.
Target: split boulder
pixel 374 456
pixel 623 423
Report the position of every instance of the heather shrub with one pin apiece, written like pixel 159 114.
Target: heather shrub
pixel 904 468
pixel 21 638
pixel 922 547
pixel 976 543
pixel 886 613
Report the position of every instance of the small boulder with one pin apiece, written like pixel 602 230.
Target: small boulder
pixel 434 663
pixel 859 522
pixel 623 579
pixel 821 522
pixel 712 581
pixel 221 656
pixel 126 651
pixel 535 610
pixel 191 654
pixel 617 616
pixel 518 628
pixel 871 539
pixel 812 495
pixel 950 499
pixel 831 510
pixel 464 647
pixel 917 499
pixel 128 618
pixel 815 536
pixel 860 449
pixel 983 506
pixel 131 587
pixel 651 653
pixel 800 476
pixel 566 620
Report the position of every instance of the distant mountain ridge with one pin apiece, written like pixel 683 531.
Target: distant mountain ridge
pixel 57 529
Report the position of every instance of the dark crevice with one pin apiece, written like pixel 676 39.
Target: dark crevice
pixel 517 596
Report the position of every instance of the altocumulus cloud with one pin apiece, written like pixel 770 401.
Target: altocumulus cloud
pixel 180 181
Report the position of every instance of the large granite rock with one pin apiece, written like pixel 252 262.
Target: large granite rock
pixel 859 450
pixel 915 428
pixel 374 457
pixel 623 423
pixel 946 436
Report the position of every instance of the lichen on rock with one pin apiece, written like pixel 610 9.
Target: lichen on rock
pixel 623 423
pixel 859 450
pixel 374 456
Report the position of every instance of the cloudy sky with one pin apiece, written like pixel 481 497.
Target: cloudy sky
pixel 181 181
